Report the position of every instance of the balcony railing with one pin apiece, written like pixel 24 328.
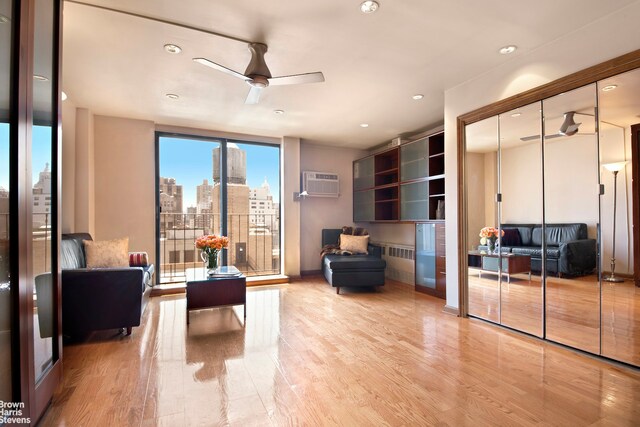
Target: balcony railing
pixel 254 243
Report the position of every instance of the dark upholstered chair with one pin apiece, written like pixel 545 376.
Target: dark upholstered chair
pixel 99 298
pixel 352 270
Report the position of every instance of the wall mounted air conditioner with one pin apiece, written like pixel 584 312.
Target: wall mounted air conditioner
pixel 321 184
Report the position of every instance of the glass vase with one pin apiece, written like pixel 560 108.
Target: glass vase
pixel 210 260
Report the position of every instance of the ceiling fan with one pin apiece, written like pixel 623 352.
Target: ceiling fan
pixel 258 76
pixel 569 127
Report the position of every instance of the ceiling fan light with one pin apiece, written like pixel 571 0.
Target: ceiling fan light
pixel 369 6
pixel 569 127
pixel 259 82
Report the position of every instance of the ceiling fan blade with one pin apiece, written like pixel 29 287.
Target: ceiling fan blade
pixel 211 64
pixel 297 79
pixel 254 95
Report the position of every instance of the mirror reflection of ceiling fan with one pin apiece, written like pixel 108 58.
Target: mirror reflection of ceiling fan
pixel 258 76
pixel 569 127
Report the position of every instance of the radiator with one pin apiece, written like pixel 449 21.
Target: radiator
pixel 400 261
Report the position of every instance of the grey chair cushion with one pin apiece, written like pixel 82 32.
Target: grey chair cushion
pixel 354 262
pixel 71 254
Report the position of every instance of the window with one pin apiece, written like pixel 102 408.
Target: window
pixel 188 163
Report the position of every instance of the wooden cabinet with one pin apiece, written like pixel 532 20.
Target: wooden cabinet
pixel 431 259
pixel 407 183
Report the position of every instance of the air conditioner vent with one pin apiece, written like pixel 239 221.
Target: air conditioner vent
pixel 321 184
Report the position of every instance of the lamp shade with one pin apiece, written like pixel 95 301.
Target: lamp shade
pixel 615 167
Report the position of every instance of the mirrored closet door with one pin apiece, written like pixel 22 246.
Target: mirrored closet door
pixel 571 211
pixel 520 211
pixel 481 187
pixel 619 126
pixel 552 212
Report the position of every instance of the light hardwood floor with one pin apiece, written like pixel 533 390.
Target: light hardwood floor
pixel 310 357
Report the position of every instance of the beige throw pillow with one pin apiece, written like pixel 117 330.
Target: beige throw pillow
pixel 107 253
pixel 354 244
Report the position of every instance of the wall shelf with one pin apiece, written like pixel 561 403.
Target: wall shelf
pixel 403 183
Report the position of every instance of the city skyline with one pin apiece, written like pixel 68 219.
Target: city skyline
pixel 41 153
pixel 187 160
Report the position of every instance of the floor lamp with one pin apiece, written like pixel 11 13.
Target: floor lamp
pixel 614 168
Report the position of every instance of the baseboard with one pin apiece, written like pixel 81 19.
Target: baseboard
pixel 310 273
pixel 262 282
pixel 161 290
pixel 451 310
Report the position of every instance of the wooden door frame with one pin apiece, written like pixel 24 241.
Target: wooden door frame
pixel 612 67
pixel 635 178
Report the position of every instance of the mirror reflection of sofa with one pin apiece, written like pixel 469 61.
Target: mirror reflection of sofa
pixel 570 252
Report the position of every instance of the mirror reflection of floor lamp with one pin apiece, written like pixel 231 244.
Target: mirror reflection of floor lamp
pixel 614 168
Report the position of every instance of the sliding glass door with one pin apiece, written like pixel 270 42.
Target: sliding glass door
pixel 217 186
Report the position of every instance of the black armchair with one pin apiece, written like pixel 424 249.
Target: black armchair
pixel 100 298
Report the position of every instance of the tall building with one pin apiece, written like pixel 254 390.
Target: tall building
pixel 42 198
pixel 203 197
pixel 262 211
pixel 170 195
pixel 236 165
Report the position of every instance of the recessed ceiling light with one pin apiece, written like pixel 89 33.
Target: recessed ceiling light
pixel 516 114
pixel 364 125
pixel 172 48
pixel 40 78
pixel 609 87
pixel 63 96
pixel 505 50
pixel 369 6
pixel 172 96
pixel 418 96
pixel 278 111
pixel 4 19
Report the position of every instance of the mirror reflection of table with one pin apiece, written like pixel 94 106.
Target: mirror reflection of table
pixel 489 262
pixel 227 287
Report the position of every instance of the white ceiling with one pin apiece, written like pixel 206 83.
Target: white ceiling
pixel 114 64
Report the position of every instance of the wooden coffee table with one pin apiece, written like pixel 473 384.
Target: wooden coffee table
pixel 486 262
pixel 220 291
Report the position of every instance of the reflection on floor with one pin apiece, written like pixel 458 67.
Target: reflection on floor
pixel 310 357
pixel 573 311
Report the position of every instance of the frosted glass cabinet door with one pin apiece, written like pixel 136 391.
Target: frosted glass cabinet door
pixel 414 160
pixel 426 255
pixel 414 201
pixel 363 173
pixel 363 206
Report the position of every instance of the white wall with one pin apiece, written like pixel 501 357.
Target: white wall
pixel 613 35
pixel 317 213
pixel 68 165
pixel 521 184
pixel 84 215
pixel 125 182
pixel 291 210
pixel 475 197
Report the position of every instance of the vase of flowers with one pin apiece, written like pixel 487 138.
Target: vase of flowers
pixel 488 236
pixel 211 245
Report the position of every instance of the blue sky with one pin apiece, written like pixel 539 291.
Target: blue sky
pixel 41 152
pixel 189 161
